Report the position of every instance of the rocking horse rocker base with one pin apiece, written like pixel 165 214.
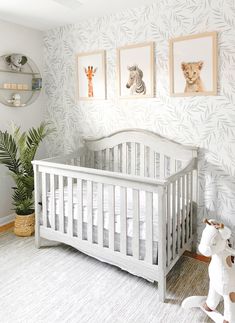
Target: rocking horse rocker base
pixel 199 302
pixel 215 244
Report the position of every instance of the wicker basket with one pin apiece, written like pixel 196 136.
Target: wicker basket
pixel 24 225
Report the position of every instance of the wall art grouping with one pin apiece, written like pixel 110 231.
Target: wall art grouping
pixel 193 69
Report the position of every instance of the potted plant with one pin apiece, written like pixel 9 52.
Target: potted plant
pixel 17 150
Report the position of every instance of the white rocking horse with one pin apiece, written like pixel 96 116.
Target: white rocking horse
pixel 214 243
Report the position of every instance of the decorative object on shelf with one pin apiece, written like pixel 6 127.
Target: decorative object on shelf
pixel 36 83
pixel 91 76
pixel 193 65
pixel 16 100
pixel 17 150
pixel 136 71
pixel 214 243
pixel 16 61
pixel 19 73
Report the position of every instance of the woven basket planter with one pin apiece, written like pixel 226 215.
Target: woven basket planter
pixel 24 225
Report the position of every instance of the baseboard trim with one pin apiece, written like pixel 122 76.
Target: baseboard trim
pixel 6 227
pixel 7 219
pixel 197 257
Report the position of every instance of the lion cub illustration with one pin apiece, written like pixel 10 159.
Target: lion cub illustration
pixel 192 75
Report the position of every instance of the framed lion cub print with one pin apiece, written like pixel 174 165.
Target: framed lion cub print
pixel 193 65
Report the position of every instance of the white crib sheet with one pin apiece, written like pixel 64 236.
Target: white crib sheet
pixel 142 208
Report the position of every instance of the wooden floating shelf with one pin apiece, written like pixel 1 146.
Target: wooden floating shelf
pixel 20 90
pixel 16 72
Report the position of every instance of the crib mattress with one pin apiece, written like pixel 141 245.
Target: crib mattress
pixel 142 209
pixel 106 239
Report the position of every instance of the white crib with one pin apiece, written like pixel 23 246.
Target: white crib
pixel 128 199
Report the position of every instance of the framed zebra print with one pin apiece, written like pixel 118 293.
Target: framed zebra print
pixel 136 71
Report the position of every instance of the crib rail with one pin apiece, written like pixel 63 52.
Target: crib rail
pixel 180 201
pixel 55 177
pixel 138 152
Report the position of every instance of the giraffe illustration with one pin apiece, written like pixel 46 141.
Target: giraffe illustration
pixel 90 72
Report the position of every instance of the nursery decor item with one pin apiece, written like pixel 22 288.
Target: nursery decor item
pixel 135 71
pixel 19 73
pixel 17 150
pixel 193 65
pixel 16 61
pixel 105 205
pixel 91 76
pixel 15 100
pixel 214 243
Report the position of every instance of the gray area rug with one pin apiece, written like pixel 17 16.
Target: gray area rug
pixel 60 284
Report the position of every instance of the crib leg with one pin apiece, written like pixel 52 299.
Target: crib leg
pixel 194 244
pixel 37 238
pixel 162 288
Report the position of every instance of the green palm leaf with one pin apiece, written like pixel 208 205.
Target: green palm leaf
pixel 17 152
pixel 8 152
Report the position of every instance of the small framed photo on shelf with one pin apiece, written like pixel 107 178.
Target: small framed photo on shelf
pixel 136 71
pixel 193 65
pixel 91 76
pixel 36 83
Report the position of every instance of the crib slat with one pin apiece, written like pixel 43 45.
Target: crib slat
pixel 124 158
pixel 178 215
pixel 89 210
pixel 142 160
pixel 162 166
pixel 99 159
pixel 169 244
pixel 44 200
pixel 52 195
pixel 123 215
pixel 111 206
pixel 151 163
pixel 173 220
pixel 187 207
pixel 92 158
pixel 172 167
pixel 70 206
pixel 103 159
pixel 183 211
pixel 83 160
pixel 107 162
pixel 191 204
pixel 136 224
pixel 61 203
pixel 80 207
pixel 149 227
pixel 116 159
pixel 100 214
pixel 133 159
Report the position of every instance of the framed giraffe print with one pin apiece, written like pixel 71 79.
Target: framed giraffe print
pixel 91 76
pixel 136 71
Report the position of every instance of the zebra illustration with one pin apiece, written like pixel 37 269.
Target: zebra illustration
pixel 135 82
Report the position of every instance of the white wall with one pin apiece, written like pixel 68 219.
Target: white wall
pixel 207 122
pixel 18 39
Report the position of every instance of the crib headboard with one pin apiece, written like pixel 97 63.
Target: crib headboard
pixel 138 152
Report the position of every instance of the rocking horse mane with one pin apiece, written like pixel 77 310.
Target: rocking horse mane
pixel 214 223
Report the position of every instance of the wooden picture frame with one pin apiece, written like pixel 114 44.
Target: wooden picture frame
pixel 91 75
pixel 135 71
pixel 193 65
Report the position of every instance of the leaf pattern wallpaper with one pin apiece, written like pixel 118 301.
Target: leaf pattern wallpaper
pixel 206 122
